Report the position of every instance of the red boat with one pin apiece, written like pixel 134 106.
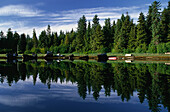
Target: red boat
pixel 112 58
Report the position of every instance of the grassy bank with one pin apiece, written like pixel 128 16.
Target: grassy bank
pixel 118 54
pixel 109 54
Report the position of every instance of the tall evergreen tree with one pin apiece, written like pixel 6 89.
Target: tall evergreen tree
pixel 88 36
pixel 141 31
pixel 43 39
pixel 10 40
pixel 30 43
pixel 16 38
pixel 49 39
pixel 35 40
pixel 56 43
pixel 66 39
pixel 165 24
pixel 99 38
pixel 117 35
pixel 132 39
pixel 81 32
pixel 22 43
pixel 125 30
pixel 94 27
pixel 9 34
pixel 107 34
pixel 155 23
pixel 149 24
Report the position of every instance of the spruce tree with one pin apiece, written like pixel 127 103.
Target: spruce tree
pixel 16 42
pixel 49 39
pixel 55 43
pixel 88 36
pixel 66 42
pixel 35 40
pixel 81 32
pixel 43 39
pixel 155 23
pixel 99 38
pixel 22 43
pixel 107 34
pixel 149 23
pixel 168 19
pixel 117 35
pixel 141 31
pixel 94 26
pixel 10 40
pixel 132 39
pixel 125 30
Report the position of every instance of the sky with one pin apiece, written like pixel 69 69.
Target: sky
pixel 25 15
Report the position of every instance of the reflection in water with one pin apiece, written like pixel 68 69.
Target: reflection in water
pixel 151 82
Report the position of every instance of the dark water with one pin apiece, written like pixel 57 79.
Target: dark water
pixel 84 87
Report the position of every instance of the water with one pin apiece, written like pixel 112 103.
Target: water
pixel 81 86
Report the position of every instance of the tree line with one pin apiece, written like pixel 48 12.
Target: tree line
pixel 151 34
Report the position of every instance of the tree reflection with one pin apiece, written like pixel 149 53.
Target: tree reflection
pixel 151 81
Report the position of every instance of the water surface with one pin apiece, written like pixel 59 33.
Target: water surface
pixel 81 86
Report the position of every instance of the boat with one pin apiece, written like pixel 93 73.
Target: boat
pixel 112 58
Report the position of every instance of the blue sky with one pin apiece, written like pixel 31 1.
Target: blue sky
pixel 24 15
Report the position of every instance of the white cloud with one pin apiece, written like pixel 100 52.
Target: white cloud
pixel 19 10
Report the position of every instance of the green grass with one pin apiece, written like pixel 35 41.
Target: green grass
pixel 118 54
pixel 2 55
pixel 109 54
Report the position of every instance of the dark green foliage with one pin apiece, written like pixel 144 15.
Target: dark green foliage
pixel 148 24
pixel 108 39
pixel 56 39
pixel 35 40
pixel 132 39
pixel 99 38
pixel 81 34
pixel 22 43
pixel 30 43
pixel 94 27
pixel 141 31
pixel 155 23
pixel 43 39
pixel 87 38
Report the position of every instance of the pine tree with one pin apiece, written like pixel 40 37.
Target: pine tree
pixel 55 43
pixel 132 39
pixel 141 31
pixel 43 39
pixel 155 23
pixel 66 40
pixel 148 24
pixel 168 23
pixel 117 35
pixel 107 34
pixel 88 36
pixel 16 38
pixel 99 38
pixel 35 40
pixel 49 39
pixel 10 40
pixel 81 32
pixel 22 43
pixel 125 30
pixel 9 34
pixel 30 43
pixel 92 39
pixel 113 31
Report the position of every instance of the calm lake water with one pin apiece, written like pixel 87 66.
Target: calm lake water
pixel 81 86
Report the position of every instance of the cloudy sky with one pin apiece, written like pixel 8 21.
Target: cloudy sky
pixel 24 15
